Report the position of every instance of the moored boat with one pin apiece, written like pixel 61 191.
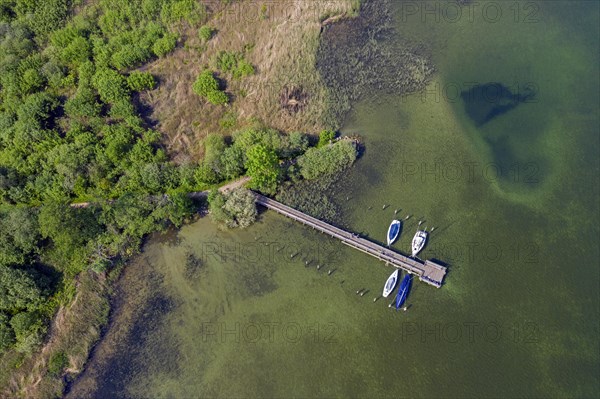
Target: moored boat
pixel 393 231
pixel 403 290
pixel 418 242
pixel 390 284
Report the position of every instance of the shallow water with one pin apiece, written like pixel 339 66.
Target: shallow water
pixel 514 203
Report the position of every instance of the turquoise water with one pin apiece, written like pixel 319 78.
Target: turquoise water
pixel 514 204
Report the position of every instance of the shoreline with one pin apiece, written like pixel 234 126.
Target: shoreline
pixel 333 116
pixel 83 377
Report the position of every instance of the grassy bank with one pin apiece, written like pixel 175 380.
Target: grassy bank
pixel 280 39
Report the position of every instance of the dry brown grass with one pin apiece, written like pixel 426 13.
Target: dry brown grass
pixel 283 51
pixel 74 330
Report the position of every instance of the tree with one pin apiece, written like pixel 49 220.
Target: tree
pixel 179 207
pixel 28 330
pixel 46 15
pixel 214 146
pixel 232 162
pixel 31 81
pixel 79 50
pixel 216 202
pixel 7 335
pixel 84 104
pixel 18 290
pixel 236 209
pixel 295 144
pixel 263 168
pixel 70 229
pixel 205 174
pixel 241 208
pixel 20 235
pixel 111 85
pixel 140 81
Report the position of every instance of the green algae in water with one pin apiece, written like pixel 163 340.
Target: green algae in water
pixel 533 309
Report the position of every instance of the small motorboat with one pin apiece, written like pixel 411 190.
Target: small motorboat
pixel 418 242
pixel 393 231
pixel 403 291
pixel 390 284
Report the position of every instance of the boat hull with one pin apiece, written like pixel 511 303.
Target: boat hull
pixel 403 291
pixel 418 242
pixel 390 284
pixel 393 231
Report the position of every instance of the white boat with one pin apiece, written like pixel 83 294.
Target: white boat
pixel 390 284
pixel 418 242
pixel 393 231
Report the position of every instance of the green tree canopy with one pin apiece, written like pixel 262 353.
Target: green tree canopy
pixel 20 236
pixel 111 85
pixel 235 209
pixel 18 290
pixel 263 168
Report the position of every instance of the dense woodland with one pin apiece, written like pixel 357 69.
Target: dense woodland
pixel 70 131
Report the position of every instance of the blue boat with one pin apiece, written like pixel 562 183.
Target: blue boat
pixel 393 231
pixel 403 291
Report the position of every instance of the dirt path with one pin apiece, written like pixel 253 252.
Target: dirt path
pixel 194 195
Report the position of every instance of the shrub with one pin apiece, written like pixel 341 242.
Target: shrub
pixel 243 68
pixel 164 45
pixel 206 33
pixel 207 86
pixel 317 162
pixel 325 137
pixel 217 97
pixel 140 81
pixel 205 83
pixel 57 363
pixel 234 63
pixel 189 10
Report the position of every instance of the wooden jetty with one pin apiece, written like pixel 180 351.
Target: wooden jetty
pixel 428 271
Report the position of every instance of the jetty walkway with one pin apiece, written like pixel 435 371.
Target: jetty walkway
pixel 427 271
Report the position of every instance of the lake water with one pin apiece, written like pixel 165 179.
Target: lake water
pixel 499 154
